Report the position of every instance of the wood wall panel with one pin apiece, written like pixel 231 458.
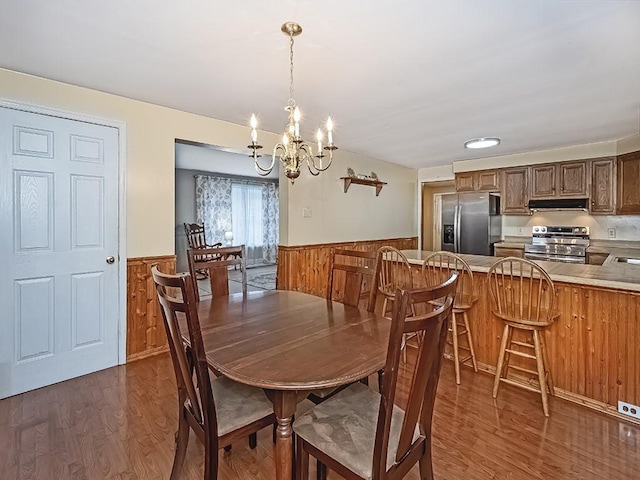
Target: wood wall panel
pixel 593 347
pixel 145 332
pixel 305 268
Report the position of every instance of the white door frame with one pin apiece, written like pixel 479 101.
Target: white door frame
pixel 122 239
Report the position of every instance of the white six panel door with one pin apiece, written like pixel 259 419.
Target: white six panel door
pixel 58 226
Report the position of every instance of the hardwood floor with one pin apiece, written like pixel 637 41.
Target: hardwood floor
pixel 119 424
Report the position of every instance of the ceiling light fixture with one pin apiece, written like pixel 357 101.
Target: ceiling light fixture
pixel 484 142
pixel 293 150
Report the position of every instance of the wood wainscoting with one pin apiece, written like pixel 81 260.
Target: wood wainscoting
pixel 145 332
pixel 305 268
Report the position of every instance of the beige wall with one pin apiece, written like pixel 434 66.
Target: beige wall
pixel 357 214
pixel 151 131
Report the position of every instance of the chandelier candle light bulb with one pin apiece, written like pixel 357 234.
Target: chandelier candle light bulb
pixel 293 150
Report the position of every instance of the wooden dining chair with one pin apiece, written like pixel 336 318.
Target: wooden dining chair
pixel 393 271
pixel 437 267
pixel 362 434
pixel 216 261
pixel 218 410
pixel 350 276
pixel 350 271
pixel 523 297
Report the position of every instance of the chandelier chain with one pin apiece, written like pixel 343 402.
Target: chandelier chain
pixel 291 67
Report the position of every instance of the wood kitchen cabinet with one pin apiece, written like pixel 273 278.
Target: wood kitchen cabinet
pixel 603 186
pixel 480 181
pixel 466 181
pixel 560 180
pixel 628 198
pixel 543 181
pixel 515 191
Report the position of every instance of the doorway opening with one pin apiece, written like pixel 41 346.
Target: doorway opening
pixel 221 191
pixel 431 212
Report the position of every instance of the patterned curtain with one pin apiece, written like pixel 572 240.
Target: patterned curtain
pixel 213 206
pixel 270 206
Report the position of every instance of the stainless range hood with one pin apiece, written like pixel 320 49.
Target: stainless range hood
pixel 558 204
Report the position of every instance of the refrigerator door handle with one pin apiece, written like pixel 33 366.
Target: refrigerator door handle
pixel 456 229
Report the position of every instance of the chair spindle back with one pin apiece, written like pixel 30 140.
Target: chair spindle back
pixel 522 291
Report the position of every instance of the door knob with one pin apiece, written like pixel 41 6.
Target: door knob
pixel 110 260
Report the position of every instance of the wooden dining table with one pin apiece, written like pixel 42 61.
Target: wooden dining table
pixel 289 344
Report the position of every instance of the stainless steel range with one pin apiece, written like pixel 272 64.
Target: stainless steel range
pixel 558 244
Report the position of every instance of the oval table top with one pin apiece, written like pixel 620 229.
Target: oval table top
pixel 284 340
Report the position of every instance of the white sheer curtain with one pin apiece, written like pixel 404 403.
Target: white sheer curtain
pixel 247 220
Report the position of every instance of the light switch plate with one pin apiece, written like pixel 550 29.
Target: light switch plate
pixel 306 212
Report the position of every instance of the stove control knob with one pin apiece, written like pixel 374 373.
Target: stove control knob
pixel 536 229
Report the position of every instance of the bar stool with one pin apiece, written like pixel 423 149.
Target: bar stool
pixel 523 297
pixel 393 272
pixel 435 269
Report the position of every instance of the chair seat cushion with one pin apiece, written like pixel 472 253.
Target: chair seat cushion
pixel 344 428
pixel 237 404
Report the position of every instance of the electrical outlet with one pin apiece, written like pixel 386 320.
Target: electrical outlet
pixel 629 409
pixel 611 232
pixel 520 231
pixel 306 212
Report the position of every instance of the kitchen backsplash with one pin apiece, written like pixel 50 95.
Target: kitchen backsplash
pixel 625 227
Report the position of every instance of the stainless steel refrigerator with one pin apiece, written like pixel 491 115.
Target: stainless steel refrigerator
pixel 471 222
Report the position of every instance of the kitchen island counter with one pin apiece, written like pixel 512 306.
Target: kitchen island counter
pixel 611 274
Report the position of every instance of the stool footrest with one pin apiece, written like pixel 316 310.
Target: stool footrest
pixel 526 370
pixel 521 385
pixel 523 344
pixel 520 354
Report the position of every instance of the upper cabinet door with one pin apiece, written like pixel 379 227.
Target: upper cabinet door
pixel 514 192
pixel 603 186
pixel 572 179
pixel 628 184
pixel 543 181
pixel 489 180
pixel 465 182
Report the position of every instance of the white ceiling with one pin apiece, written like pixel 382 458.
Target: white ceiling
pixel 406 81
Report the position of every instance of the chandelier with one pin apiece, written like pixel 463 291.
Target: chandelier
pixel 294 151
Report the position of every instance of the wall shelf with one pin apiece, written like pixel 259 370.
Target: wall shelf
pixel 361 181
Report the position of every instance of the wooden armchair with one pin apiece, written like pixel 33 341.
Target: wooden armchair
pixel 196 239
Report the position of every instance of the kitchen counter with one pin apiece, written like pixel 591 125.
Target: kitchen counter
pixel 609 275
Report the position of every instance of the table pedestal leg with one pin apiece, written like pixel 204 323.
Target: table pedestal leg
pixel 284 406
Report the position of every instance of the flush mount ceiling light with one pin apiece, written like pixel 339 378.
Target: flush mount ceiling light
pixel 484 142
pixel 293 151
